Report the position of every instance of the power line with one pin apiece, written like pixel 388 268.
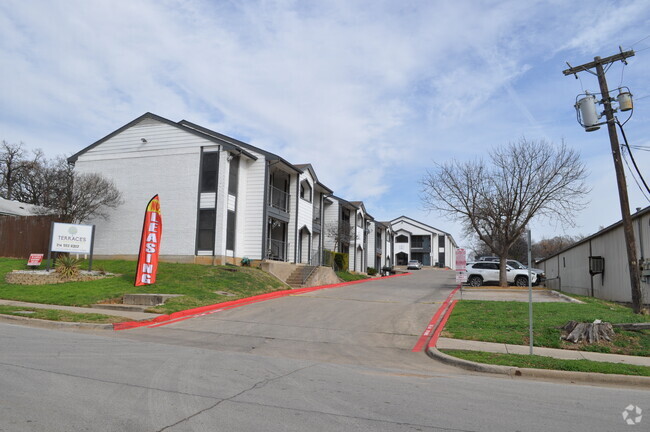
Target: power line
pixel 639 41
pixel 634 177
pixel 620 126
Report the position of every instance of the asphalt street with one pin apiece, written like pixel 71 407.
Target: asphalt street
pixel 331 360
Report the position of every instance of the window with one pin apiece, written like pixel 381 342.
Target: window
pixel 401 239
pixel 417 242
pixel 209 164
pixel 230 231
pixel 359 220
pixel 305 190
pixel 206 229
pixel 441 241
pixel 233 176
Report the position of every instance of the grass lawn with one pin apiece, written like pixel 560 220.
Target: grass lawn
pixel 349 277
pixel 59 315
pixel 507 322
pixel 540 362
pixel 197 284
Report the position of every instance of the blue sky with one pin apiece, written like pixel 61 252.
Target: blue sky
pixel 372 93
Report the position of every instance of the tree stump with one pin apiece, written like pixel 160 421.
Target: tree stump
pixel 588 332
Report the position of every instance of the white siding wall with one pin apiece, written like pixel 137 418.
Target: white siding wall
pixel 161 138
pixel 221 209
pixel 305 214
pixel 252 208
pixel 371 252
pixel 173 177
pixel 331 221
pixel 293 219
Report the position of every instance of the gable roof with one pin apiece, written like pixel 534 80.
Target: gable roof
pixel 634 216
pixel 344 202
pixel 413 221
pixel 310 168
pixel 268 155
pixel 226 144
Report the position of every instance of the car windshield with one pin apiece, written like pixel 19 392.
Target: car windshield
pixel 516 265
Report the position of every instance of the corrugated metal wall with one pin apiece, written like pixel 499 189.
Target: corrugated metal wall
pixel 569 271
pixel 22 235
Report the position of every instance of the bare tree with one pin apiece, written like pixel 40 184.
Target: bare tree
pixel 547 247
pixel 342 233
pixel 12 158
pixel 77 197
pixel 54 186
pixel 496 202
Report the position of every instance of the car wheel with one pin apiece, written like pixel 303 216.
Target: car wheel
pixel 521 281
pixel 475 281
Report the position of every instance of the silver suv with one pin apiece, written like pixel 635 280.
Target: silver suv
pixel 481 272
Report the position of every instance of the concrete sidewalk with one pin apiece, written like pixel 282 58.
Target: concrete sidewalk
pixel 459 344
pixel 135 316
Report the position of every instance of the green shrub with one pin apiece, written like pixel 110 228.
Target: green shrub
pixel 68 267
pixel 341 261
pixel 372 271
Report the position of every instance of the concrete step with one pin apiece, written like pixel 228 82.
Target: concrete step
pixel 147 299
pixel 120 307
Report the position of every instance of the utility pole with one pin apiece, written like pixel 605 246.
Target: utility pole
pixel 628 230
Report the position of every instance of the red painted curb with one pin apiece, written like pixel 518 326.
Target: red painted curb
pixel 434 339
pixel 427 332
pixel 205 310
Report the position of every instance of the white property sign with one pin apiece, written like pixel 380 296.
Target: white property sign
pixel 71 238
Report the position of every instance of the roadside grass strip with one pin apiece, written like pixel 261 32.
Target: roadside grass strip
pixel 198 285
pixel 434 321
pixel 542 362
pixel 207 310
pixel 59 315
pixel 507 322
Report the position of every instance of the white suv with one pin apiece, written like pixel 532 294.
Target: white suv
pixel 481 272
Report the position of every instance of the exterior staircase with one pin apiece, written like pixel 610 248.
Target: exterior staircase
pixel 299 277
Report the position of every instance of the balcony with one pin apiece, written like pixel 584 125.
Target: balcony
pixel 276 250
pixel 278 199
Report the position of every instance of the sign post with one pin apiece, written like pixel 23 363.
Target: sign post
pixel 71 238
pixel 461 270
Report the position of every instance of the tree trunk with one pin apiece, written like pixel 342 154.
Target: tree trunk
pixel 503 275
pixel 588 332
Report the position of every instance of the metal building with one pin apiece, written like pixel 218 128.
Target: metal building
pixel 597 265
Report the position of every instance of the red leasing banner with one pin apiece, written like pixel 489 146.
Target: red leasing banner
pixel 149 244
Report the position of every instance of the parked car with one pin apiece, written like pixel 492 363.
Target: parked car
pixel 482 272
pixel 414 264
pixel 541 276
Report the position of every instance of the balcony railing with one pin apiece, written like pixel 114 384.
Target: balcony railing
pixel 315 258
pixel 279 199
pixel 276 250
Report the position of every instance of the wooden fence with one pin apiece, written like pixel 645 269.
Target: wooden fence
pixel 22 235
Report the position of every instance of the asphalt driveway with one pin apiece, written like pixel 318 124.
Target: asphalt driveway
pixel 375 323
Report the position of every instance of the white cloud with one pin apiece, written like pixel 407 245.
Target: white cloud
pixel 367 91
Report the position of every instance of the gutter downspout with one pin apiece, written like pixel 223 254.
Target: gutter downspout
pixel 265 214
pixel 295 228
